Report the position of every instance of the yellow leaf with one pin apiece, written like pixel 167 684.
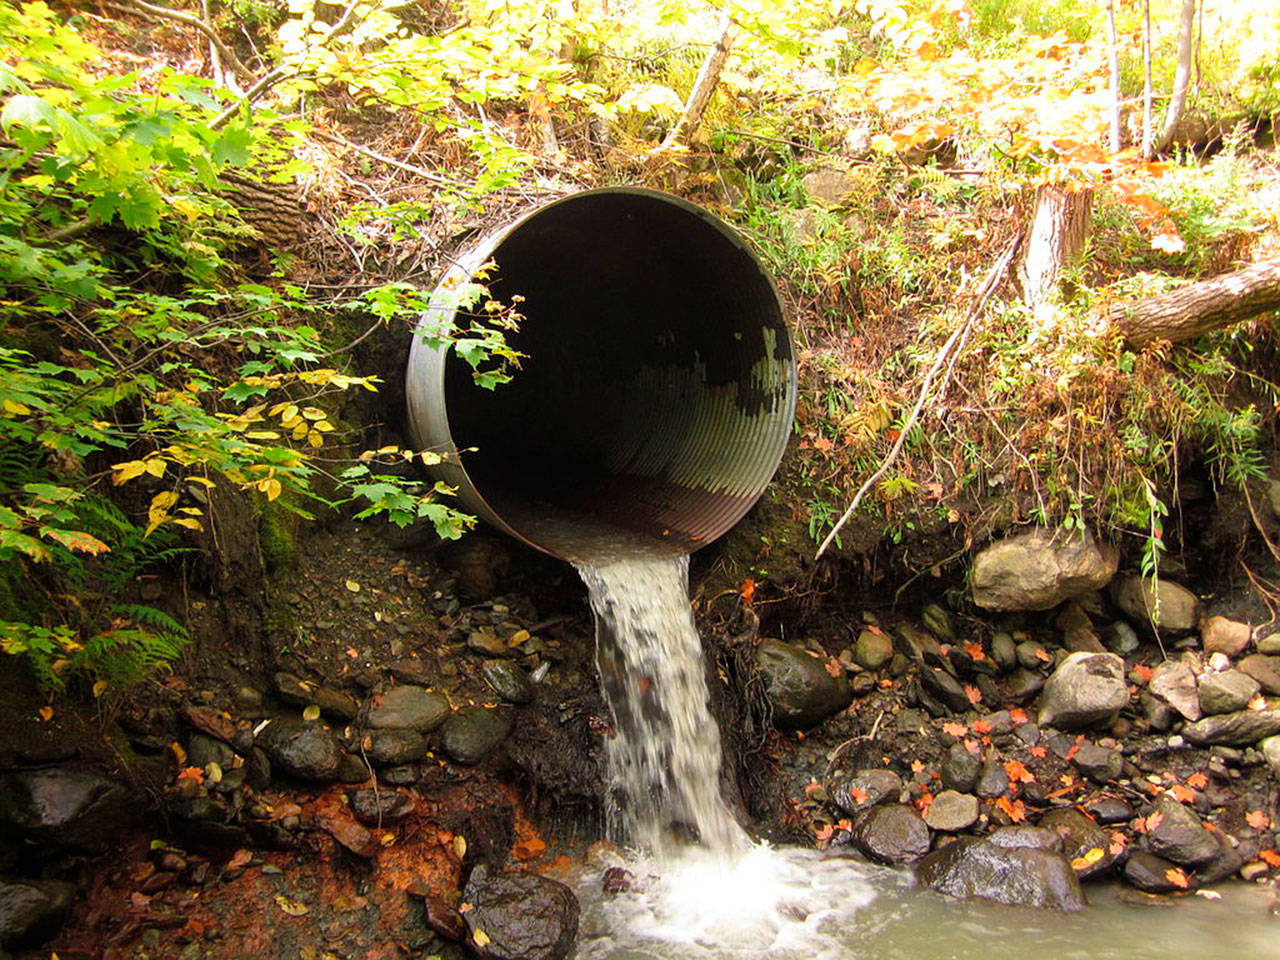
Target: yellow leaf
pixel 324 426
pixel 313 413
pixel 188 522
pixel 310 713
pixel 16 409
pixel 46 714
pixel 480 937
pixel 262 435
pixel 1089 858
pixel 155 466
pixel 123 472
pixel 293 908
pixel 460 846
pixel 100 688
pixel 272 488
pixel 315 439
pixel 300 430
pixel 353 586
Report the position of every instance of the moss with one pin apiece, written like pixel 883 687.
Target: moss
pixel 277 536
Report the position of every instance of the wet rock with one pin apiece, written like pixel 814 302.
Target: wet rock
pixel 404 775
pixel 32 911
pixel 351 769
pixel 1109 810
pixel 379 806
pixel 1174 682
pixel 1159 714
pixel 1098 763
pixel 873 650
pixel 472 732
pixel 1220 635
pixel 1240 729
pixel 1081 837
pixel 1264 669
pixel 1270 749
pixel 1021 876
pixel 301 749
pixel 946 688
pixel 993 781
pixel 918 645
pixel 961 768
pixel 1179 835
pixel 891 834
pixel 937 621
pixel 1150 873
pixel 203 750
pixel 800 689
pixel 302 693
pixel 509 680
pixel 1004 651
pixel 1120 638
pixel 1037 571
pixel 1022 835
pixel 864 789
pixel 1025 684
pixel 487 643
pixel 408 708
pixel 65 806
pixel 395 746
pixel 1163 604
pixel 1087 689
pixel 951 812
pixel 1226 692
pixel 1226 864
pixel 1077 630
pixel 519 916
pixel 1032 655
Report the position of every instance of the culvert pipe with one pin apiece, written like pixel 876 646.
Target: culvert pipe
pixel 658 385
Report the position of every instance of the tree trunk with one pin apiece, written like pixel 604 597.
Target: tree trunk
pixel 1059 229
pixel 703 87
pixel 1181 77
pixel 1147 123
pixel 1113 65
pixel 1202 306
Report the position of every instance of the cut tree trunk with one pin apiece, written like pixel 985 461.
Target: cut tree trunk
pixel 275 210
pixel 1059 229
pixel 1200 307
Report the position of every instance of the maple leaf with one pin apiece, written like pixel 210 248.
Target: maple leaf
pixel 192 773
pixel 953 729
pixel 1179 879
pixel 814 789
pixel 1018 773
pixel 1257 819
pixel 833 667
pixel 975 650
pixel 1269 857
pixel 1038 752
pixel 981 726
pixel 1142 672
pixel 1013 809
pixel 1044 655
pixel 1182 794
pixel 748 591
pixel 1197 781
pixel 1018 715
pixel 1088 859
pixel 858 794
pixel 973 693
pixel 1118 844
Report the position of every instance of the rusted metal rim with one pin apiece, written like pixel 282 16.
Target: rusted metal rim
pixel 659 386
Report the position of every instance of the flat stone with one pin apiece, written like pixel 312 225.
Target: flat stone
pixel 1264 669
pixel 65 806
pixel 946 688
pixel 951 811
pixel 395 746
pixel 379 806
pixel 509 680
pixel 1080 838
pixel 891 834
pixel 519 916
pixel 1163 604
pixel 1149 873
pixel 472 732
pixel 1270 644
pixel 301 749
pixel 1038 570
pixel 1109 810
pixel 1087 689
pixel 873 650
pixel 489 644
pixel 1220 635
pixel 1021 876
pixel 1077 629
pixel 1174 682
pixel 800 689
pixel 1241 729
pixel 1179 835
pixel 864 789
pixel 1226 692
pixel 302 693
pixel 408 707
pixel 1098 763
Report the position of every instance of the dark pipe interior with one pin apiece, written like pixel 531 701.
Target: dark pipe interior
pixel 622 291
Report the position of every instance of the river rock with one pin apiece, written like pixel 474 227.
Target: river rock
pixel 31 911
pixel 864 789
pixel 1174 682
pixel 1227 863
pixel 379 806
pixel 64 806
pixel 891 834
pixel 1004 651
pixel 994 780
pixel 1120 638
pixel 1106 809
pixel 937 621
pixel 332 703
pixel 1270 749
pixel 1037 571
pixel 946 688
pixel 519 916
pixel 1080 838
pixel 1087 689
pixel 1163 604
pixel 395 746
pixel 873 650
pixel 1226 692
pixel 951 812
pixel 961 769
pixel 1179 835
pixel 1150 873
pixel 301 749
pixel 1241 729
pixel 1024 835
pixel 470 733
pixel 1098 763
pixel 1270 644
pixel 1264 669
pixel 1015 875
pixel 1077 630
pixel 509 680
pixel 800 689
pixel 203 750
pixel 408 707
pixel 1220 635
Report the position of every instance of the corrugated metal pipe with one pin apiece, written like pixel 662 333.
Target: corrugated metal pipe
pixel 659 382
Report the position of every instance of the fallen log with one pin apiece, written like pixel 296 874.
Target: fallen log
pixel 1199 307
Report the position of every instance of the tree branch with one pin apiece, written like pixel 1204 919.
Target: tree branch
pixel 228 55
pixel 703 86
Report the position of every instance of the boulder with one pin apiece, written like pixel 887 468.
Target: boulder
pixel 951 812
pixel 1081 837
pixel 1241 729
pixel 1015 875
pixel 1038 570
pixel 1179 835
pixel 469 734
pixel 1220 635
pixel 519 916
pixel 1226 692
pixel 408 707
pixel 1162 603
pixel 891 834
pixel 301 749
pixel 1087 689
pixel 961 769
pixel 65 806
pixel 1174 682
pixel 873 650
pixel 1264 669
pixel 864 789
pixel 1150 873
pixel 31 911
pixel 800 689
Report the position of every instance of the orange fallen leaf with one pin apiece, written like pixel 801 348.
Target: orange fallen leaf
pixel 975 650
pixel 1142 672
pixel 1269 857
pixel 1088 859
pixel 833 667
pixel 1013 809
pixel 46 713
pixel 953 729
pixel 1044 655
pixel 917 766
pixel 813 789
pixel 1183 794
pixel 1038 752
pixel 1197 781
pixel 1118 844
pixel 1018 773
pixel 973 693
pixel 528 849
pixel 1179 879
pixel 972 747
pixel 748 591
pixel 1257 819
pixel 858 794
pixel 191 773
pixel 1018 715
pixel 981 726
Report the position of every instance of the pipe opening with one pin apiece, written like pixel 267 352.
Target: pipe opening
pixel 659 384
